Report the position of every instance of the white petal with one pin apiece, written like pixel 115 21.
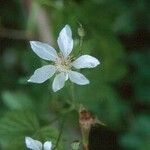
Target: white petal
pixel 48 145
pixel 59 82
pixel 33 144
pixel 42 74
pixel 65 41
pixel 85 61
pixel 78 78
pixel 44 50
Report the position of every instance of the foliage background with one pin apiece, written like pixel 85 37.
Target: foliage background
pixel 117 34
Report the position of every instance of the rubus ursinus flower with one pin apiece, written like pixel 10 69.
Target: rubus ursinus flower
pixel 63 66
pixel 37 145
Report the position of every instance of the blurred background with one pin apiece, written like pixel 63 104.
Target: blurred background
pixel 117 33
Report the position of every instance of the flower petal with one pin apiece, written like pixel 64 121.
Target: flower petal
pixel 42 74
pixel 33 144
pixel 44 50
pixel 48 145
pixel 65 41
pixel 85 61
pixel 59 82
pixel 78 78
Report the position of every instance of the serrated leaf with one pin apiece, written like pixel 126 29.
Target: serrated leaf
pixel 18 123
pixel 49 133
pixel 14 126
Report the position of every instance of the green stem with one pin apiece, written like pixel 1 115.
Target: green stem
pixel 81 43
pixel 80 46
pixel 60 133
pixel 73 102
pixel 72 92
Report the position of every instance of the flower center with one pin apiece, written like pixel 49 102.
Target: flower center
pixel 63 64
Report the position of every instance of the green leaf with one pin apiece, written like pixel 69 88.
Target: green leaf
pixel 16 125
pixel 138 135
pixel 49 133
pixel 16 100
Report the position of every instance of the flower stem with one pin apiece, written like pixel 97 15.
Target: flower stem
pixel 72 92
pixel 81 43
pixel 80 46
pixel 85 119
pixel 60 133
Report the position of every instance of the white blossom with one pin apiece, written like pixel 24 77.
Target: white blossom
pixel 37 145
pixel 63 66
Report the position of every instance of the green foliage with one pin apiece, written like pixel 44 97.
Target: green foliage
pixel 110 26
pixel 14 126
pixel 17 100
pixel 141 78
pixel 138 136
pixel 48 133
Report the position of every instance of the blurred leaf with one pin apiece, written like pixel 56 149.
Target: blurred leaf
pixel 141 80
pixel 112 58
pixel 138 136
pixel 131 141
pixel 16 123
pixel 49 133
pixel 16 100
pixel 124 23
pixel 14 126
pixel 18 143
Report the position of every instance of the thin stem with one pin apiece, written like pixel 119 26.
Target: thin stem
pixel 81 43
pixel 65 113
pixel 80 46
pixel 73 103
pixel 72 92
pixel 81 34
pixel 64 116
pixel 60 133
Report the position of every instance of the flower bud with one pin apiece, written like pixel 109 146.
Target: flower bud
pixel 81 31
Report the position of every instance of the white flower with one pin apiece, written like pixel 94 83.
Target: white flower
pixel 62 62
pixel 37 145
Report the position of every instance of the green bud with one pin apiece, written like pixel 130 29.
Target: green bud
pixel 81 31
